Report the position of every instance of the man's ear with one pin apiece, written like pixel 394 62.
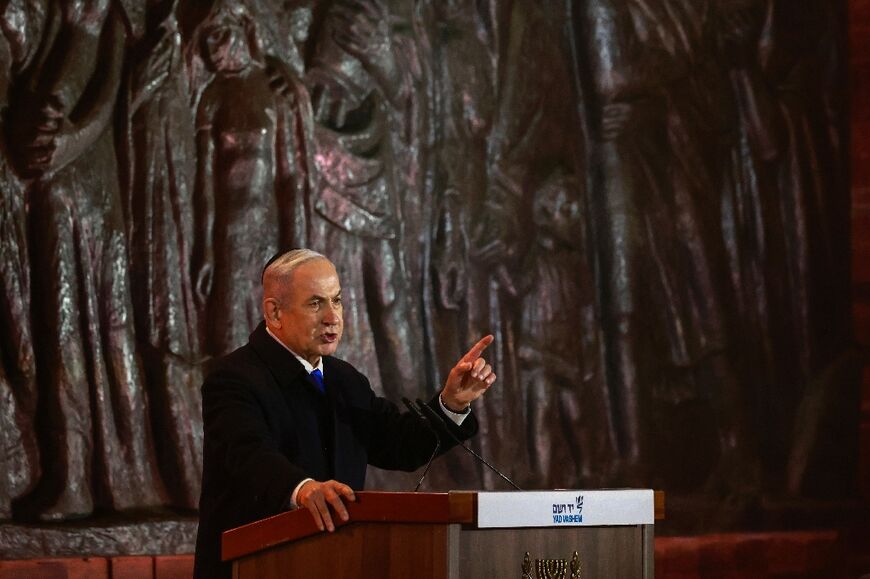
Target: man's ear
pixel 271 312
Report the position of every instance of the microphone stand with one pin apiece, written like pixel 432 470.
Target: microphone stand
pixel 433 416
pixel 416 411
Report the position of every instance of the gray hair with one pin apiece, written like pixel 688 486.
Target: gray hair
pixel 282 266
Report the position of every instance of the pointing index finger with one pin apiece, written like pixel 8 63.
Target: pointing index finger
pixel 477 349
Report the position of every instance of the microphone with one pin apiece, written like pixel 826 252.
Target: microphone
pixel 416 412
pixel 436 419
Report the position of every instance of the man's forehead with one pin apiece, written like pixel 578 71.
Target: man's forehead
pixel 315 277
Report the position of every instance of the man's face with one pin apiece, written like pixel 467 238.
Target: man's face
pixel 309 317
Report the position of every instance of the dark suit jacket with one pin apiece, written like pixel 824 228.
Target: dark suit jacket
pixel 267 428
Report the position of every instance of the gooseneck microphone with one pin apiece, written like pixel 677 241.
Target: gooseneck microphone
pixel 436 419
pixel 416 412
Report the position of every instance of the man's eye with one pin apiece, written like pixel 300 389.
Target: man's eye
pixel 314 305
pixel 336 301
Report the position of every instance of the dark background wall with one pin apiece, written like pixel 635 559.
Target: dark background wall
pixel 649 210
pixel 859 75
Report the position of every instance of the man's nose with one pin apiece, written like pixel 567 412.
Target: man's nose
pixel 331 316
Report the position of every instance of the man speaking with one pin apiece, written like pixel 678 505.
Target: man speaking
pixel 286 425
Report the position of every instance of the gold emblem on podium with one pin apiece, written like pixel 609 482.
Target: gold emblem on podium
pixel 552 568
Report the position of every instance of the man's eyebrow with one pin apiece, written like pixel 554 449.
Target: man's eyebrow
pixel 321 298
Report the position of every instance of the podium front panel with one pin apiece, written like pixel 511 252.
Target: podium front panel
pixel 611 552
pixel 393 551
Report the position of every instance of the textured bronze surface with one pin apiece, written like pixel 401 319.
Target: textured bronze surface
pixel 644 201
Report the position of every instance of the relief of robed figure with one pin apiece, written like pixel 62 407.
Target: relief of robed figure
pixel 662 148
pixel 160 156
pixel 251 176
pixel 354 78
pixel 95 435
pixel 19 451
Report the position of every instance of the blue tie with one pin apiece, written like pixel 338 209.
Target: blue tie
pixel 317 378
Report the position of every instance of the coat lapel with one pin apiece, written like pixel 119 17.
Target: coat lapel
pixel 302 397
pixel 285 368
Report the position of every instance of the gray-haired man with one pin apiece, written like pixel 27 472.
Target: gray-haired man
pixel 289 425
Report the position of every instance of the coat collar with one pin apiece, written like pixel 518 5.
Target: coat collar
pixel 283 365
pixel 285 368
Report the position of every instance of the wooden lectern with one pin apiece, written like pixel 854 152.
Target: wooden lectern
pixel 439 536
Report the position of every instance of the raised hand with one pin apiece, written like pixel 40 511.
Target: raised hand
pixel 362 28
pixel 469 378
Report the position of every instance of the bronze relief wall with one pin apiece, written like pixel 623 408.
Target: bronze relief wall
pixel 644 200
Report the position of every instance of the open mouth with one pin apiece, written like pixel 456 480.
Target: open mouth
pixel 329 337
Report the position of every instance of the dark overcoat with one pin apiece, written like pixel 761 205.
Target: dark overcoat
pixel 267 427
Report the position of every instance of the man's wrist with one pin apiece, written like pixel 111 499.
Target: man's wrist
pixel 465 410
pixel 293 496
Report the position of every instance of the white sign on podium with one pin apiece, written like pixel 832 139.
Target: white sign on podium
pixel 594 508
